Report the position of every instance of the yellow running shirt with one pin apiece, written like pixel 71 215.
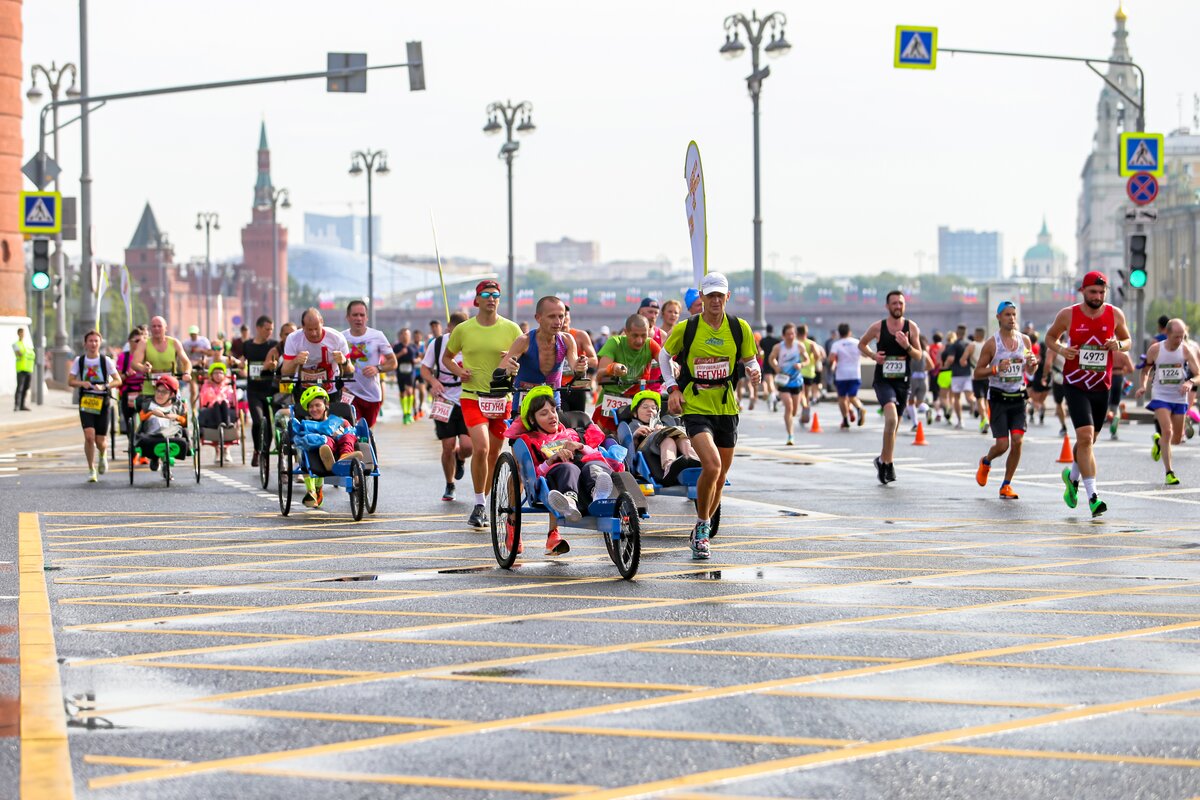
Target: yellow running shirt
pixel 713 350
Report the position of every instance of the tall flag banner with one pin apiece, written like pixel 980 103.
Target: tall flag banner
pixel 101 288
pixel 441 277
pixel 125 296
pixel 693 175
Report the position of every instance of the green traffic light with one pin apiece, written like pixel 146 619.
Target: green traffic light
pixel 1137 278
pixel 40 281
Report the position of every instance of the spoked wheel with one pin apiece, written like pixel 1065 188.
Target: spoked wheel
pixel 358 490
pixel 112 429
pixel 285 480
pixel 242 437
pixel 627 552
pixel 716 519
pixel 195 458
pixel 166 463
pixel 264 457
pixel 373 480
pixel 132 457
pixel 221 445
pixel 505 513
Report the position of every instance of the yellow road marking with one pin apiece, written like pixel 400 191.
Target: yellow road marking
pixel 45 755
pixel 1112 758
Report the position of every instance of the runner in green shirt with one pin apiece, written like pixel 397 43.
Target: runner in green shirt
pixel 711 353
pixel 623 363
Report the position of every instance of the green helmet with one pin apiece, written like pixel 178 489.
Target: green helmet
pixel 310 394
pixel 217 365
pixel 647 394
pixel 527 401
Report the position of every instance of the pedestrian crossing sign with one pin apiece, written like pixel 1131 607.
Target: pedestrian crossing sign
pixel 1141 152
pixel 916 48
pixel 41 212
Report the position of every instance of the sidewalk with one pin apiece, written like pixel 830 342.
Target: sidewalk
pixel 58 411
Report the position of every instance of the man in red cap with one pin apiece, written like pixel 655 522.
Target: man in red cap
pixel 1095 331
pixel 483 341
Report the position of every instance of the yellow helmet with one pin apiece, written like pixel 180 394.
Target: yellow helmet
pixel 313 392
pixel 217 365
pixel 527 401
pixel 647 394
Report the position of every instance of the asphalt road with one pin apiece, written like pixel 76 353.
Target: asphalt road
pixel 847 640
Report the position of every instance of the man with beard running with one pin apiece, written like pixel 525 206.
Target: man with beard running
pixel 1004 360
pixel 899 343
pixel 1095 332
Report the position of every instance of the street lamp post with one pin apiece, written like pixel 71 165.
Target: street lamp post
pixel 280 198
pixel 510 113
pixel 209 221
pixel 370 161
pixel 54 80
pixel 733 47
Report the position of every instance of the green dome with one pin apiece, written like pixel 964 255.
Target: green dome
pixel 1039 251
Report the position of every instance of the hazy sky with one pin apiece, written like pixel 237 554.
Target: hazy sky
pixel 861 162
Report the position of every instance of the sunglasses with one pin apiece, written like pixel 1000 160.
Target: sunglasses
pixel 486 295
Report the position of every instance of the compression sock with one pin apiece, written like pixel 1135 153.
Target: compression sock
pixel 1074 471
pixel 1089 486
pixel 479 499
pixel 1005 483
pixel 987 462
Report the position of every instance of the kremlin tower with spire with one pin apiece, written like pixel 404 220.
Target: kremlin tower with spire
pixel 263 238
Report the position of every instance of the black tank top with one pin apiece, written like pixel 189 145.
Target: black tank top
pixel 255 353
pixel 892 349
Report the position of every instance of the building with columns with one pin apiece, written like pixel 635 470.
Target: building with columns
pixel 1045 261
pixel 1099 229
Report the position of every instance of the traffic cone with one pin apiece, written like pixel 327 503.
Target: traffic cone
pixel 920 433
pixel 1066 456
pixel 816 424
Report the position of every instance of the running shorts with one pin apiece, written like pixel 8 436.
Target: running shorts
pixel 979 388
pixel 960 383
pixel 455 426
pixel 1036 384
pixel 917 389
pixel 1057 389
pixel 367 410
pixel 1114 391
pixel 1006 410
pixel 723 427
pixel 1176 409
pixel 892 392
pixel 1087 408
pixel 943 379
pixel 472 416
pixel 794 391
pixel 96 422
pixel 847 388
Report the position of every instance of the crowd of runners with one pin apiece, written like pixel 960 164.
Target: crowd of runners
pixel 701 365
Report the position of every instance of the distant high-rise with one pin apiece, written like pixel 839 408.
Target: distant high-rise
pixel 347 232
pixel 568 253
pixel 978 255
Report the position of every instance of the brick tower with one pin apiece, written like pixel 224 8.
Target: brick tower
pixel 259 239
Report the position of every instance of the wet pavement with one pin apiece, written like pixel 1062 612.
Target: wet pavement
pixel 846 640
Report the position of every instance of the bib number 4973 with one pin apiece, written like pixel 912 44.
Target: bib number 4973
pixel 1093 358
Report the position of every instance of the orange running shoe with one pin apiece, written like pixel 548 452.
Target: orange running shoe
pixel 981 474
pixel 1007 493
pixel 556 545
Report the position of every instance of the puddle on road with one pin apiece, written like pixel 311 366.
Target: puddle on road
pixel 383 576
pixel 770 574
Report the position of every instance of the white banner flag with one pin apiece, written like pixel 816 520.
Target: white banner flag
pixel 101 288
pixel 693 175
pixel 125 296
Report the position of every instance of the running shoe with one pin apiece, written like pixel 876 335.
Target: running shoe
pixel 983 424
pixel 102 466
pixel 92 476
pixel 1042 417
pixel 1172 480
pixel 1155 450
pixel 890 471
pixel 448 495
pixel 791 441
pixel 1097 506
pixel 1071 495
pixel 556 545
pixel 141 460
pixel 509 535
pixel 1112 428
pixel 153 462
pixel 862 418
pixel 602 488
pixel 1062 431
pixel 254 459
pixel 458 469
pixel 310 500
pixel 958 425
pixel 565 504
pixel 929 417
pixel 1007 493
pixel 880 470
pixel 699 541
pixel 478 517
pixel 326 454
pixel 981 474
pixel 1189 429
pixel 845 424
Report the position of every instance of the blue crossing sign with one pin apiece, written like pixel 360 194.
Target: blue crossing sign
pixel 916 47
pixel 1141 152
pixel 41 212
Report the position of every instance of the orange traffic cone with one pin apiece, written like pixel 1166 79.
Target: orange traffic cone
pixel 920 433
pixel 816 424
pixel 1066 456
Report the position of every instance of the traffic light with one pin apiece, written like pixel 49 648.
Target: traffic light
pixel 40 280
pixel 1137 260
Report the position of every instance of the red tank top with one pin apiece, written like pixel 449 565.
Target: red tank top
pixel 1092 368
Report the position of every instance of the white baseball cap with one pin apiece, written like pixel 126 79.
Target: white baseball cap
pixel 604 330
pixel 714 282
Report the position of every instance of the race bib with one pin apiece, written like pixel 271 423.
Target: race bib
pixel 347 396
pixel 711 369
pixel 255 371
pixel 782 380
pixel 1011 369
pixel 404 369
pixel 614 403
pixel 493 407
pixel 1093 358
pixel 441 411
pixel 91 403
pixel 894 366
pixel 1169 374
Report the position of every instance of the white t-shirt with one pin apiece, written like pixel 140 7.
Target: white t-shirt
pixel 367 350
pixel 320 367
pixel 453 394
pixel 848 358
pixel 190 346
pixel 91 371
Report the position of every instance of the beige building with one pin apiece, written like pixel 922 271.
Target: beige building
pixel 1044 261
pixel 1173 255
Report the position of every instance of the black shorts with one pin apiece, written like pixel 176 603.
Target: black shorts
pixel 794 391
pixel 1087 408
pixel 1037 385
pixel 96 422
pixel 453 427
pixel 1059 392
pixel 405 380
pixel 892 392
pixel 1006 412
pixel 980 388
pixel 814 380
pixel 722 427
